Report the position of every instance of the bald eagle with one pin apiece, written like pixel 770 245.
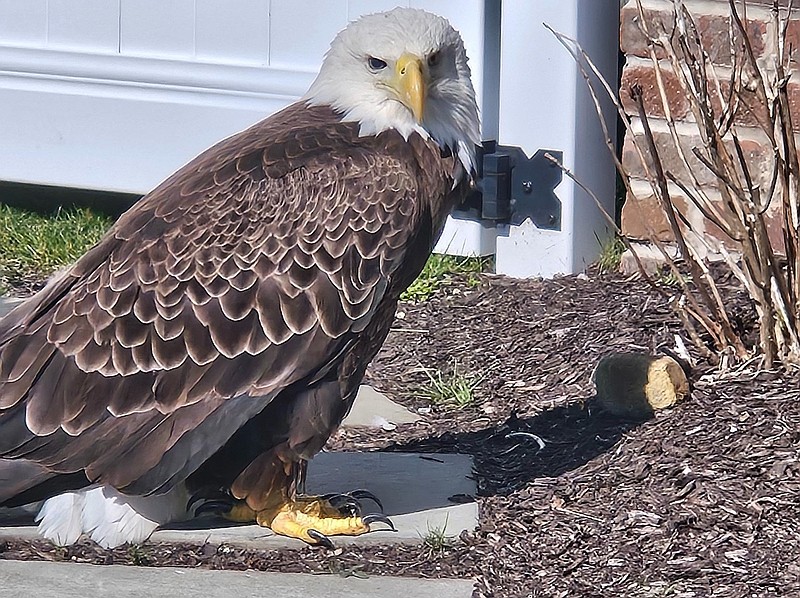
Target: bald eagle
pixel 211 342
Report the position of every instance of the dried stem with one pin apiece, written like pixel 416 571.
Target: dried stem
pixel 747 193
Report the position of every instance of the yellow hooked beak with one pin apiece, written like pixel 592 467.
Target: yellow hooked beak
pixel 409 84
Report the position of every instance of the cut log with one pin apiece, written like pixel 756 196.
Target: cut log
pixel 635 385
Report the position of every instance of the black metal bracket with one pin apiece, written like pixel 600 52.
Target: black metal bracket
pixel 511 187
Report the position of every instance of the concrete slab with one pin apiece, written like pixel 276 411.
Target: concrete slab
pixel 650 256
pixel 420 492
pixel 7 304
pixel 75 580
pixel 375 410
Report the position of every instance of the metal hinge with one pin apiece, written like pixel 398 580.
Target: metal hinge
pixel 511 187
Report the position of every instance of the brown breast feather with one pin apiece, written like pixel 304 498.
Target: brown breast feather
pixel 245 271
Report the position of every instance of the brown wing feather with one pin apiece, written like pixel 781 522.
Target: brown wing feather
pixel 276 244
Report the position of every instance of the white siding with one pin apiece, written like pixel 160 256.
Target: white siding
pixel 301 31
pixel 86 25
pixel 231 32
pixel 283 34
pixel 23 22
pixel 117 94
pixel 561 118
pixel 356 8
pixel 157 28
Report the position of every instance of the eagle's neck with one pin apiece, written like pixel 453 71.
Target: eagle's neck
pixel 450 127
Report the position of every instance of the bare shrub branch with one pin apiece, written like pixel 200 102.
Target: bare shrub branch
pixel 746 195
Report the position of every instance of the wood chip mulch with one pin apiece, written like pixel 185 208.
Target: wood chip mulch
pixel 701 500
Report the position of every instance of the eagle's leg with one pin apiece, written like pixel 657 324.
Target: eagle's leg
pixel 269 492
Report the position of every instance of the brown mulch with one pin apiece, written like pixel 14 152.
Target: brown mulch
pixel 702 500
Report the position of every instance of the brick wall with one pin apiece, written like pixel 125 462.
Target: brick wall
pixel 642 216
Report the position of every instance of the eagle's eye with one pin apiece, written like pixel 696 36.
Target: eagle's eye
pixel 376 64
pixel 433 58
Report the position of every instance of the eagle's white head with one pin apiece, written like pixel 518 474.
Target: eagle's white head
pixel 405 69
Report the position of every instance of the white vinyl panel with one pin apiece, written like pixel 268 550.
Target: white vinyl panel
pixel 232 32
pixel 157 28
pixel 23 22
pixel 94 137
pixel 356 8
pixel 561 116
pixel 91 25
pixel 301 31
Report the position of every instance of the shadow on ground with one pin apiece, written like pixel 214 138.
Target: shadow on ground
pixel 509 456
pixel 505 457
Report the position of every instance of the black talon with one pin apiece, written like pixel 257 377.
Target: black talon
pixel 208 494
pixel 361 494
pixel 355 494
pixel 331 496
pixel 217 507
pixel 322 539
pixel 373 517
pixel 346 505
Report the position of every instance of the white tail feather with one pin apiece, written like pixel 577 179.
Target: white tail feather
pixel 107 516
pixel 60 518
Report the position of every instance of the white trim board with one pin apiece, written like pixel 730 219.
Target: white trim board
pixel 142 72
pixel 67 116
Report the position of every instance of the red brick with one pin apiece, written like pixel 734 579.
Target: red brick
pixel 793 39
pixel 768 3
pixel 750 111
pixel 758 157
pixel 714 31
pixel 794 105
pixel 714 235
pixel 643 215
pixel 774 221
pixel 643 218
pixel 774 224
pixel 645 76
pixel 632 39
pixel 670 158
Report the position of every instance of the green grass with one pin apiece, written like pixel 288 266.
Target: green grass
pixel 438 272
pixel 666 277
pixel 436 539
pixel 455 389
pixel 336 567
pixel 33 246
pixel 611 251
pixel 138 555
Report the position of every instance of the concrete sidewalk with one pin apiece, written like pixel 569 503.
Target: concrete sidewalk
pixel 75 580
pixel 416 491
pixel 420 492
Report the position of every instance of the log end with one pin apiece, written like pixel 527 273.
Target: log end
pixel 636 385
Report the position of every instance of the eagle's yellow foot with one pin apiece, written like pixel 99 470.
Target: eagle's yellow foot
pixel 309 518
pixel 314 518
